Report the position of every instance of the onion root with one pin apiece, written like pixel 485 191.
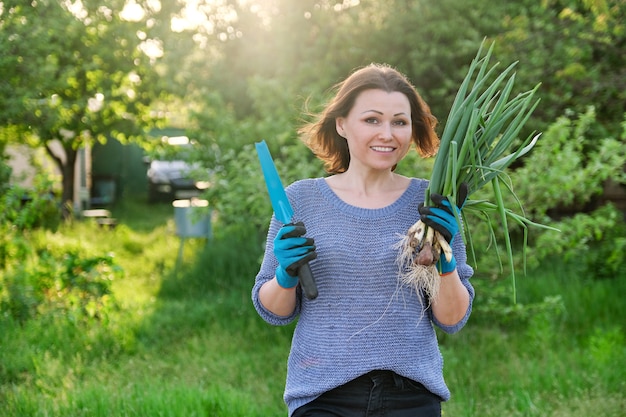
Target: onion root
pixel 419 252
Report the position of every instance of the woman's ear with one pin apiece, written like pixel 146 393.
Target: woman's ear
pixel 339 121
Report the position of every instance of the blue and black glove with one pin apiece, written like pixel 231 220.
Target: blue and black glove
pixel 292 250
pixel 442 219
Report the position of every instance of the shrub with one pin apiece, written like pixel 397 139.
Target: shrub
pixel 30 209
pixel 72 285
pixel 595 241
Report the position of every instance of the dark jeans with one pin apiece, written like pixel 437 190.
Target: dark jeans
pixel 376 394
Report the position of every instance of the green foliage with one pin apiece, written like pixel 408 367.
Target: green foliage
pixel 30 208
pixel 575 49
pixel 568 343
pixel 72 285
pixel 5 174
pixel 606 346
pixel 560 184
pixel 568 169
pixel 238 190
pixel 5 169
pixel 596 241
pixel 38 278
pixel 22 210
pixel 495 307
pixel 281 51
pixel 75 73
pixel 569 166
pixel 213 261
pixel 186 339
pixel 307 46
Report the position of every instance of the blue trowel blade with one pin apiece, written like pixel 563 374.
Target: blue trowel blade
pixel 283 212
pixel 278 197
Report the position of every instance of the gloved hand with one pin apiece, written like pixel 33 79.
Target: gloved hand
pixel 442 219
pixel 292 251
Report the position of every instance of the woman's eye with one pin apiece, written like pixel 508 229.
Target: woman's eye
pixel 371 120
pixel 400 123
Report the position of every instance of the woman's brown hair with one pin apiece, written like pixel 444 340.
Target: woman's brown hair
pixel 322 138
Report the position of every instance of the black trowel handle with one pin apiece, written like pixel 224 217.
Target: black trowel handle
pixel 307 282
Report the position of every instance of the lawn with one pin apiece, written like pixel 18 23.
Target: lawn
pixel 179 337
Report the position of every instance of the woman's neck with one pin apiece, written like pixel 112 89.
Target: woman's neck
pixel 368 190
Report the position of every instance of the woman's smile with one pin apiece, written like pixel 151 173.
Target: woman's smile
pixel 385 149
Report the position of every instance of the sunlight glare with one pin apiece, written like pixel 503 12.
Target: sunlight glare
pixel 76 8
pixel 132 12
pixel 204 15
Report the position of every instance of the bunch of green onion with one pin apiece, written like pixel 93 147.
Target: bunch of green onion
pixel 480 140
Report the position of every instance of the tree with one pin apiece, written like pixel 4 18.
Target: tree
pixel 576 49
pixel 307 46
pixel 77 72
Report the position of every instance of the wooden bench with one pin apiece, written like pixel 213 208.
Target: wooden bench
pixel 101 216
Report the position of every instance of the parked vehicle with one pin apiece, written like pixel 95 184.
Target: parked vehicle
pixel 170 175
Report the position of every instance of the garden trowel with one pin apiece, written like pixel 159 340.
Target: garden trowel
pixel 283 211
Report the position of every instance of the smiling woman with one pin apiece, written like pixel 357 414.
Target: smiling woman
pixel 345 226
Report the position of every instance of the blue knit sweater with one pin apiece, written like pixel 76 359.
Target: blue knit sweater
pixel 363 318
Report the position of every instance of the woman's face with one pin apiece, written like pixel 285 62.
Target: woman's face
pixel 378 129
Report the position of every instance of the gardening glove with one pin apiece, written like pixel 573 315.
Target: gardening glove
pixel 442 219
pixel 292 250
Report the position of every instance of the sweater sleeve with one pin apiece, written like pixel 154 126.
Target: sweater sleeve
pixel 266 273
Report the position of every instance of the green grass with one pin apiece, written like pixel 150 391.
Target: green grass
pixel 182 339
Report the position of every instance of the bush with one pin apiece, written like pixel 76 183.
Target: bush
pixel 595 241
pixel 41 283
pixel 29 209
pixel 567 169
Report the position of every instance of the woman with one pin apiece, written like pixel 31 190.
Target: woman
pixel 366 346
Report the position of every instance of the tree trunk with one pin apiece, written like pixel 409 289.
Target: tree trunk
pixel 67 168
pixel 68 171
